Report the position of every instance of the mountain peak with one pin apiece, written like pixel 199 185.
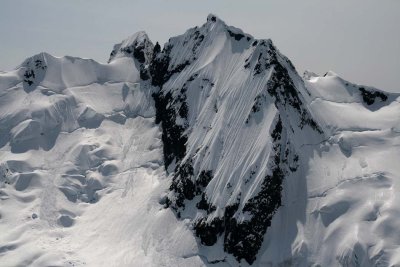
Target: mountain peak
pixel 213 18
pixel 137 46
pixel 234 32
pixel 330 73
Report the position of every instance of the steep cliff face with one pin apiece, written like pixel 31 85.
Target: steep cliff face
pixel 233 118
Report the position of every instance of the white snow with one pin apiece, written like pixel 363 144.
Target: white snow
pixel 346 212
pixel 82 171
pixel 82 179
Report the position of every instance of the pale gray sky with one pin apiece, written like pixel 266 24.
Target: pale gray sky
pixel 358 39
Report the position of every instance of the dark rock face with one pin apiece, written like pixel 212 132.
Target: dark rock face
pixel 243 239
pixel 183 185
pixel 185 189
pixel 212 18
pixel 237 36
pixel 370 96
pixel 203 204
pixel 159 67
pixel 204 179
pixel 139 50
pixel 257 104
pixel 34 72
pixel 29 76
pixel 156 50
pixel 161 70
pixel 208 232
pixel 138 53
pixel 173 138
pixel 171 105
pixel 281 87
pixel 168 108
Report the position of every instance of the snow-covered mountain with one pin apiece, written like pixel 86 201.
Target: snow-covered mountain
pixel 210 151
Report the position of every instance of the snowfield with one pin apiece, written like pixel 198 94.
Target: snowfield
pixel 82 171
pixel 210 151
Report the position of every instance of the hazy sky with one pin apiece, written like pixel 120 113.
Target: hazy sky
pixel 359 40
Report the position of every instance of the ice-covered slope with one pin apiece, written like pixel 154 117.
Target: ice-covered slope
pixel 343 211
pixel 352 210
pixel 209 152
pixel 81 168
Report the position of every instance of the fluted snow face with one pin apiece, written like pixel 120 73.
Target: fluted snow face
pixel 235 109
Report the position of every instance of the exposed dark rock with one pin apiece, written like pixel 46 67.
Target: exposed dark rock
pixel 173 138
pixel 142 51
pixel 138 53
pixel 203 204
pixel 156 50
pixel 243 239
pixel 182 184
pixel 198 40
pixel 208 232
pixel 370 96
pixel 39 64
pixel 184 187
pixel 212 18
pixel 29 76
pixel 276 133
pixel 161 71
pixel 281 87
pixel 159 67
pixel 34 73
pixel 257 104
pixel 169 107
pixel 237 36
pixel 144 75
pixel 204 178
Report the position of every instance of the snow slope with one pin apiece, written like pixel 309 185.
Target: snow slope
pixel 82 170
pixel 210 152
pixel 346 213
